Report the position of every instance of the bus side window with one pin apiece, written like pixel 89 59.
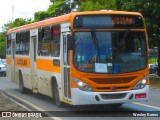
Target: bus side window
pixel 17 43
pixel 55 41
pixel 8 44
pixel 27 42
pixel 22 43
pixel 39 41
pixel 44 42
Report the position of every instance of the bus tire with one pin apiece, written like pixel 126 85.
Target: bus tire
pixel 56 96
pixel 21 85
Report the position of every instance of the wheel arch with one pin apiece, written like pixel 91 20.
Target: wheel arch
pixel 19 73
pixel 53 84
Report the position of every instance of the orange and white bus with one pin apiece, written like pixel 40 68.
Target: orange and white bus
pixel 82 58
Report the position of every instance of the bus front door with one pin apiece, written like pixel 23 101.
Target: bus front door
pixel 66 68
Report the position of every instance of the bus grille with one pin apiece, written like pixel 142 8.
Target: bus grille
pixel 113 96
pixel 123 88
pixel 121 80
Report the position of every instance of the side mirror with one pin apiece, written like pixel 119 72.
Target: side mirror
pixel 69 42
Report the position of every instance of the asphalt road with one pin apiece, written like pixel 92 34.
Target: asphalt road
pixel 39 102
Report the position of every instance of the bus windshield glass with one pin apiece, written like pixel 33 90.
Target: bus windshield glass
pixel 110 51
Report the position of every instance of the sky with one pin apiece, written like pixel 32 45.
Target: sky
pixel 12 9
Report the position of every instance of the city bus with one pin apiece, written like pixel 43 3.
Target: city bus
pixel 82 58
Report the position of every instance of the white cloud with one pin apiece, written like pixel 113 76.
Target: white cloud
pixel 22 9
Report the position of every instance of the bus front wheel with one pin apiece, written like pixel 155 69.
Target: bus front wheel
pixel 56 96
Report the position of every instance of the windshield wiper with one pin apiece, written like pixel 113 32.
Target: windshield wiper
pixel 95 42
pixel 125 35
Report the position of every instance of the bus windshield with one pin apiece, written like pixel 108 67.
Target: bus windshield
pixel 110 51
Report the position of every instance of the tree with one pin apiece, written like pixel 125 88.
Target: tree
pixel 12 24
pixel 59 7
pixel 16 23
pixel 2 49
pixel 40 15
pixel 92 5
pixel 2 45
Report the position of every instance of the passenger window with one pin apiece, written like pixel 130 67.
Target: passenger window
pixel 44 46
pixel 27 42
pixel 8 44
pixel 17 43
pixel 22 43
pixel 55 42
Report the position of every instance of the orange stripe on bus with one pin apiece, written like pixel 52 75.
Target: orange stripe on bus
pixel 23 62
pixel 47 65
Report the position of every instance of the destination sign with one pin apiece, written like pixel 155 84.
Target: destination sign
pixel 122 20
pixel 108 21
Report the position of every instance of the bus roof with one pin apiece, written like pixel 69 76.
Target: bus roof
pixel 64 18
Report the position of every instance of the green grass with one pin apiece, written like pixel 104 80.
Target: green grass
pixel 155 82
pixel 153 60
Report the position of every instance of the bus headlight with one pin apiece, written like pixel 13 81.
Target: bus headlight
pixel 82 85
pixel 141 84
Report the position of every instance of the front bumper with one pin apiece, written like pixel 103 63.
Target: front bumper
pixel 80 97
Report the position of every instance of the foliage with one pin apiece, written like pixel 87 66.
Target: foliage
pixel 40 15
pixel 16 23
pixel 58 8
pixel 92 5
pixel 2 45
pixel 2 49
